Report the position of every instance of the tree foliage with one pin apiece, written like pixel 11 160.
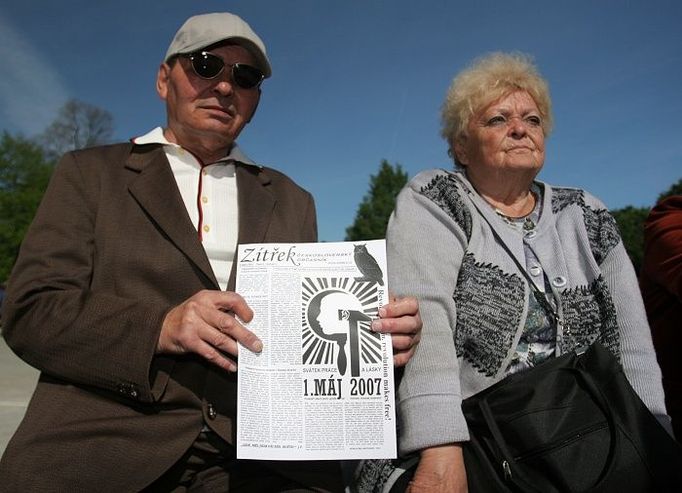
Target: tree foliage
pixel 376 207
pixel 675 189
pixel 26 166
pixel 631 225
pixel 24 173
pixel 77 125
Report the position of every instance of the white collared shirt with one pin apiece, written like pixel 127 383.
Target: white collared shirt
pixel 209 192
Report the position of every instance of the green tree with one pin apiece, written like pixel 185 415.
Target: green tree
pixel 376 206
pixel 631 225
pixel 675 189
pixel 24 173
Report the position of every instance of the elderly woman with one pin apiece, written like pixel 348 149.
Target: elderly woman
pixel 497 258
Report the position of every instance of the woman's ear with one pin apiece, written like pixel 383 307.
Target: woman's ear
pixel 459 148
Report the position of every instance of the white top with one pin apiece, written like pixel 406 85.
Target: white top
pixel 209 192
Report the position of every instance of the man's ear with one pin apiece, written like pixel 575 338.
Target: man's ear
pixel 162 77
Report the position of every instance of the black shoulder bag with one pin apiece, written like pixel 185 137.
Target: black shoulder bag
pixel 570 424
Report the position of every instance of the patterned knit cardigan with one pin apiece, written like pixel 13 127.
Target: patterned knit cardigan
pixel 474 300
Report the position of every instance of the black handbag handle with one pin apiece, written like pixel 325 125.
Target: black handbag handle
pixel 515 474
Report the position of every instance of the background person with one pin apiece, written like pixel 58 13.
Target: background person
pixel 460 239
pixel 660 279
pixel 122 294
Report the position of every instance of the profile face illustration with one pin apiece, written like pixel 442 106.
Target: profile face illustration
pixel 323 318
pixel 336 318
pixel 334 310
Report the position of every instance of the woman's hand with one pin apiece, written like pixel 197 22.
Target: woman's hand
pixel 440 469
pixel 400 318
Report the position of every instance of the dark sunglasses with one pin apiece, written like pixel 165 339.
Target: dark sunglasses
pixel 209 66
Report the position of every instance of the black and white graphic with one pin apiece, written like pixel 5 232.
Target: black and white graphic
pixel 367 265
pixel 337 313
pixel 322 387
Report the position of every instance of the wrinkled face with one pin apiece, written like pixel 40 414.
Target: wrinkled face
pixel 506 134
pixel 209 111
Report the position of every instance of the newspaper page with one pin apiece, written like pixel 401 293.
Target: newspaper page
pixel 323 387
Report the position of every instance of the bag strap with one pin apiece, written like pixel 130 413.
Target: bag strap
pixel 515 474
pixel 539 295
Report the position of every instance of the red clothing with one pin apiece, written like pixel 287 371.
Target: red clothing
pixel 661 284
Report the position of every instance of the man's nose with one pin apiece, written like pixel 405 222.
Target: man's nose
pixel 224 85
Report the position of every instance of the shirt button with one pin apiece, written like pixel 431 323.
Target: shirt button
pixel 535 270
pixel 207 228
pixel 559 282
pixel 530 234
pixel 204 199
pixel 210 410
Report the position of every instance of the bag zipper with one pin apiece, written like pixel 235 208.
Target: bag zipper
pixel 561 443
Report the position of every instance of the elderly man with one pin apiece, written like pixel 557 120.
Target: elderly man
pixel 122 294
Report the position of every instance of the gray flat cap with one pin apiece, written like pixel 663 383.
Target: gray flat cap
pixel 205 30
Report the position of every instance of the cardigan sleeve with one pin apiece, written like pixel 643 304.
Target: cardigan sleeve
pixel 637 351
pixel 425 248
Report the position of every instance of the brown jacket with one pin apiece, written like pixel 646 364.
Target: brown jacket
pixel 110 252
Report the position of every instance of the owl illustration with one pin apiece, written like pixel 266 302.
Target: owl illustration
pixel 367 265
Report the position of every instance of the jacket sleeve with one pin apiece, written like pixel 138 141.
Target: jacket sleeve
pixel 424 253
pixel 52 318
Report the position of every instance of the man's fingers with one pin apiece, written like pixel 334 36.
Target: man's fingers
pixel 211 354
pixel 202 325
pixel 230 326
pixel 214 313
pixel 233 302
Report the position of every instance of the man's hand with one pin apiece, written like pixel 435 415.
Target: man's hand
pixel 207 324
pixel 440 469
pixel 400 318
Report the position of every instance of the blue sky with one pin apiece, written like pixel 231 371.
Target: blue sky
pixel 355 82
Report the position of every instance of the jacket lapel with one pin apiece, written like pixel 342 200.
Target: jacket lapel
pixel 156 191
pixel 256 204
